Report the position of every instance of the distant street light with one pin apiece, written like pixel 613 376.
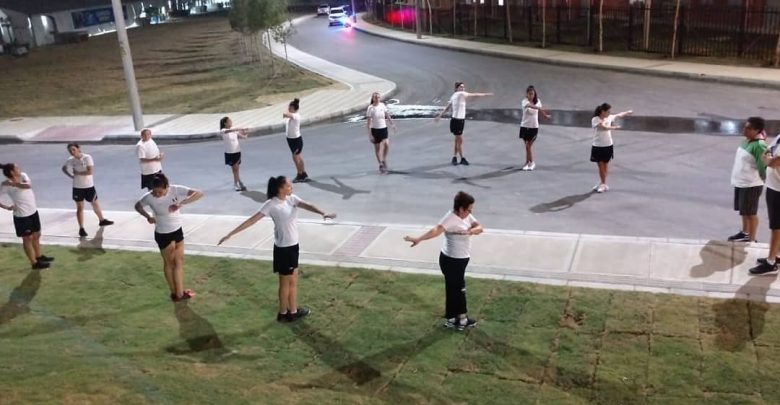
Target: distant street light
pixel 127 65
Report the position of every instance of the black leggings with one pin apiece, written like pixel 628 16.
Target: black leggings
pixel 454 271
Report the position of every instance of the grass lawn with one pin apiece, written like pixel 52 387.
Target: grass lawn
pixel 194 66
pixel 98 328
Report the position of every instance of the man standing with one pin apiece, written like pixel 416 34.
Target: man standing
pixel 771 158
pixel 79 167
pixel 747 177
pixel 149 157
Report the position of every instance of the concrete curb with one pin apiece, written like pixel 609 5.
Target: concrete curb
pixel 559 62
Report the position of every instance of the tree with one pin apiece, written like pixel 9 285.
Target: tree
pixel 601 26
pixel 674 28
pixel 283 32
pixel 255 18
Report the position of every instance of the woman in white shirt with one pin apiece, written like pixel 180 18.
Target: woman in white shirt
pixel 458 226
pixel 377 118
pixel 458 120
pixel 282 206
pixel 529 126
pixel 602 151
pixel 165 202
pixel 292 125
pixel 79 167
pixel 230 137
pixel 27 223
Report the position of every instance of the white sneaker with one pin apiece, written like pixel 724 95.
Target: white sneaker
pixel 596 187
pixel 531 166
pixel 606 187
pixel 601 188
pixel 525 168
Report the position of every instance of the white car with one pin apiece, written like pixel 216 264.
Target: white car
pixel 338 16
pixel 323 9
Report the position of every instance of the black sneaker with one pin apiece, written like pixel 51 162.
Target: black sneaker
pixel 301 313
pixel 281 318
pixel 39 265
pixel 763 269
pixel 470 323
pixel 43 258
pixel 298 178
pixel 105 222
pixel 739 237
pixel 305 177
pixel 453 323
pixel 464 162
pixel 454 161
pixel 763 260
pixel 82 233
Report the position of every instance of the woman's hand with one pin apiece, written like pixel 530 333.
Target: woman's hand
pixel 329 216
pixel 414 241
pixel 223 240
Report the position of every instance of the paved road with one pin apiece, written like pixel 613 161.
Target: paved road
pixel 425 75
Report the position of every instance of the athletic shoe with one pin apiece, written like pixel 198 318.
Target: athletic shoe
pixel 606 187
pixel 596 187
pixel 763 260
pixel 601 188
pixel 39 265
pixel 454 161
pixel 298 178
pixel 82 233
pixel 464 162
pixel 281 318
pixel 382 168
pixel 237 187
pixel 301 313
pixel 763 269
pixel 739 237
pixel 43 258
pixel 526 167
pixel 532 166
pixel 453 323
pixel 243 187
pixel 470 323
pixel 105 222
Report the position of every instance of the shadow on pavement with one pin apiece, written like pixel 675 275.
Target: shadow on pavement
pixel 256 196
pixel 89 248
pixel 738 320
pixel 20 298
pixel 561 203
pixel 338 187
pixel 717 256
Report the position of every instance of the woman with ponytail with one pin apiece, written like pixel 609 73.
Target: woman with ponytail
pixel 603 151
pixel 529 126
pixel 292 124
pixel 282 206
pixel 18 187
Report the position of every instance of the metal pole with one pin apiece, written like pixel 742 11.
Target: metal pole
pixel 127 65
pixel 418 25
pixel 354 12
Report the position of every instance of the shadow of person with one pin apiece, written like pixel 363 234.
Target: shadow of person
pixel 718 256
pixel 196 331
pixel 339 187
pixel 561 203
pixel 20 298
pixel 256 196
pixel 88 248
pixel 740 320
pixel 489 175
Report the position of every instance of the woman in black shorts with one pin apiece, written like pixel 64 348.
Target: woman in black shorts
pixel 529 126
pixel 282 206
pixel 377 118
pixel 165 202
pixel 602 151
pixel 292 124
pixel 27 223
pixel 230 137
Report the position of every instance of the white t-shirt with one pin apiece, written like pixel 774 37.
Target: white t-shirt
pixel 602 137
pixel 377 115
pixel 458 101
pixel 165 221
pixel 81 165
pixel 284 214
pixel 530 115
pixel 773 173
pixel 230 138
pixel 148 150
pixel 456 245
pixel 22 198
pixel 292 126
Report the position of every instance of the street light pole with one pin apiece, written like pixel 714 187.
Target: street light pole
pixel 354 12
pixel 127 65
pixel 417 18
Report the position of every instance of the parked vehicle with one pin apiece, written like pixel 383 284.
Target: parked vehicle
pixel 323 9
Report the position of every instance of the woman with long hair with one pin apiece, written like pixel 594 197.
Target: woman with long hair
pixel 377 118
pixel 292 124
pixel 529 126
pixel 27 222
pixel 602 150
pixel 230 137
pixel 282 206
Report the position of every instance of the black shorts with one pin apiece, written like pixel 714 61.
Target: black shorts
pixel 379 134
pixel 602 153
pixel 81 194
pixel 146 180
pixel 165 239
pixel 232 159
pixel 456 125
pixel 746 199
pixel 773 208
pixel 296 145
pixel 528 134
pixel 285 259
pixel 26 226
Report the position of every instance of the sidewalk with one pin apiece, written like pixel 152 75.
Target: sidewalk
pixel 761 77
pixel 318 106
pixel 687 267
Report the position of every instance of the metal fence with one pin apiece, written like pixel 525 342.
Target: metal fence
pixel 701 31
